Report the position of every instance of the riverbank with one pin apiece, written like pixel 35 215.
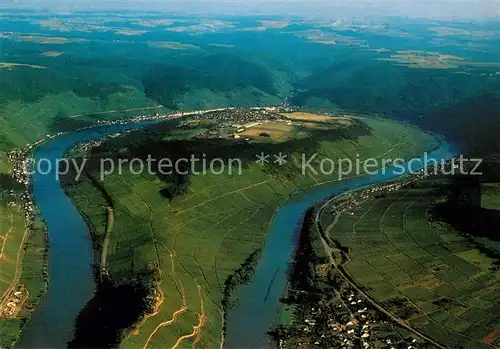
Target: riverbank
pixel 291 215
pixel 58 215
pixel 23 251
pixel 240 277
pixel 329 309
pixel 28 287
pixel 21 164
pixel 421 250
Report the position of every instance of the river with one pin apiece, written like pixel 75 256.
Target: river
pixel 71 283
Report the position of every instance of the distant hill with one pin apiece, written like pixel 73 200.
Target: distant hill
pixel 218 73
pixel 473 123
pixel 463 106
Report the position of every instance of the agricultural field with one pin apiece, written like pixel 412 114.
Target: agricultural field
pixel 433 60
pixel 318 118
pixel 189 238
pixel 274 132
pixel 422 270
pixel 7 65
pixel 11 241
pixel 490 194
pixel 23 263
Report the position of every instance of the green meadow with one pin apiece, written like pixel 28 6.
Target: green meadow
pixel 30 260
pixel 11 251
pixel 490 192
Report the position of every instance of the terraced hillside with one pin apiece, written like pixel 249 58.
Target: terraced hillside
pixel 22 266
pixel 421 269
pixel 191 239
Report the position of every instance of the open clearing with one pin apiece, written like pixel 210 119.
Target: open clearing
pixel 191 239
pixel 52 53
pixel 302 126
pixel 50 40
pixel 448 288
pixel 275 24
pixel 317 118
pixel 308 117
pixel 22 263
pixel 434 60
pixel 273 131
pixel 172 45
pixel 10 65
pixel 490 194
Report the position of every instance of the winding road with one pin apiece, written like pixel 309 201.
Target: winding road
pixel 353 283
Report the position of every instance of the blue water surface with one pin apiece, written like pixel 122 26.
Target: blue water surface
pixel 71 284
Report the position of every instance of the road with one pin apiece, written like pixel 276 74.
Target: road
pixel 116 111
pixel 17 276
pixel 110 219
pixel 350 280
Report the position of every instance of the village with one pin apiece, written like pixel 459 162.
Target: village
pixel 340 318
pixel 346 203
pixel 229 121
pixel 233 123
pixel 12 303
pixel 335 314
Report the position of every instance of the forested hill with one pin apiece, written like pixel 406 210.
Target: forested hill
pixel 463 105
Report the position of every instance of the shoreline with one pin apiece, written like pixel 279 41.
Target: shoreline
pixel 293 198
pixel 325 254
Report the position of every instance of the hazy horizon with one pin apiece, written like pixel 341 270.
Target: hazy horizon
pixel 458 9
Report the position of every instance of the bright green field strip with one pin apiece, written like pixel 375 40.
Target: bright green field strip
pixel 12 230
pixel 490 196
pixel 33 270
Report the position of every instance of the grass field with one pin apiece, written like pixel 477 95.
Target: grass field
pixel 274 132
pixel 308 117
pixel 52 53
pixel 8 65
pixel 302 116
pixel 27 123
pixel 448 287
pixel 32 263
pixel 490 192
pixel 200 237
pixel 11 237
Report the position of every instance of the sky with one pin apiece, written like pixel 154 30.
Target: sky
pixel 436 9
